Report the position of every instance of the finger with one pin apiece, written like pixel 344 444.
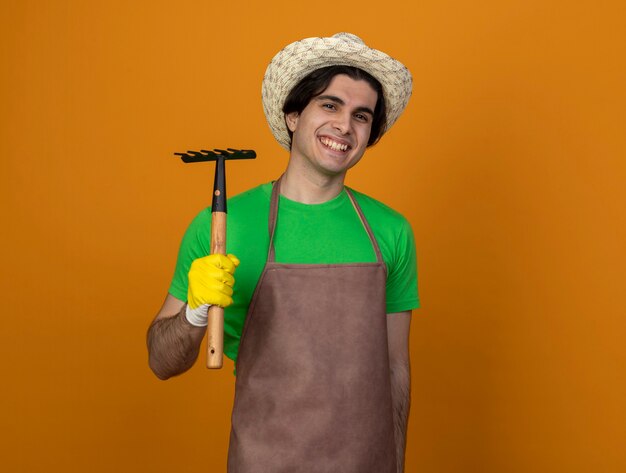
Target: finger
pixel 202 283
pixel 209 264
pixel 224 301
pixel 225 262
pixel 211 272
pixel 221 300
pixel 208 292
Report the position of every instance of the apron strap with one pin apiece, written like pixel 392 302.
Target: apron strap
pixel 368 229
pixel 271 256
pixel 273 219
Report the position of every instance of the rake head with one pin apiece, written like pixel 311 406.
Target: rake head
pixel 216 154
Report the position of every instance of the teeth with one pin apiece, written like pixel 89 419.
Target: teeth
pixel 334 145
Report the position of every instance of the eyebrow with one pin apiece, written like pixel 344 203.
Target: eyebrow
pixel 337 100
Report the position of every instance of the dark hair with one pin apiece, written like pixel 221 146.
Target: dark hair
pixel 317 81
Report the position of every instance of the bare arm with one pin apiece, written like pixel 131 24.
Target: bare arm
pixel 173 343
pixel 398 325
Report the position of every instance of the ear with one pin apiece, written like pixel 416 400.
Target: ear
pixel 292 120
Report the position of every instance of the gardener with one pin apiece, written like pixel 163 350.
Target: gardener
pixel 318 321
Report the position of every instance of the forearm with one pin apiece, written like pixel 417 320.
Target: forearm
pixel 173 345
pixel 401 402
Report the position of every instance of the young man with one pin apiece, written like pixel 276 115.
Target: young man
pixel 318 321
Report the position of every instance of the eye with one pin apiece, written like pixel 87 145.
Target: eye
pixel 329 106
pixel 362 117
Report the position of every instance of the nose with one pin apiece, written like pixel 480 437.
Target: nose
pixel 342 123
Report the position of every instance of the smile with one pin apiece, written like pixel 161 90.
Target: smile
pixel 334 145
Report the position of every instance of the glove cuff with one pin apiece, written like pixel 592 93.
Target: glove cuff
pixel 198 317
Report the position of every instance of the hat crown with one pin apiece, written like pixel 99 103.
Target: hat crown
pixel 349 38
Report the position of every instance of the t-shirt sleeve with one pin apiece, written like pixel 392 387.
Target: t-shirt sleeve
pixel 195 244
pixel 402 292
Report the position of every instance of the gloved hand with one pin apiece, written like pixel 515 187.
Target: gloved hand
pixel 210 283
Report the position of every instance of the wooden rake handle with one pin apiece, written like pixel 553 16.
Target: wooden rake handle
pixel 215 327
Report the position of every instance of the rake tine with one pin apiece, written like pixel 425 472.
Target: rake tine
pixel 207 152
pixel 191 156
pixel 223 152
pixel 212 155
pixel 239 152
pixel 242 153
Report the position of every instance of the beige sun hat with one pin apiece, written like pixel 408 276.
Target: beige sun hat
pixel 299 59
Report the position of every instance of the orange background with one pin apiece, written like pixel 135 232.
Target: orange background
pixel 509 163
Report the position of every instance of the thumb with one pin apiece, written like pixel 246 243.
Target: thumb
pixel 234 259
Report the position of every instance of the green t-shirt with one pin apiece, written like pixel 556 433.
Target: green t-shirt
pixel 325 233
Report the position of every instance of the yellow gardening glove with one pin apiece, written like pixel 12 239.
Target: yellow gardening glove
pixel 210 283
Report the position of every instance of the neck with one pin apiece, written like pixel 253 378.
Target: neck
pixel 310 188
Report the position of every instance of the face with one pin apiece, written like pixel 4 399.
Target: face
pixel 331 133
